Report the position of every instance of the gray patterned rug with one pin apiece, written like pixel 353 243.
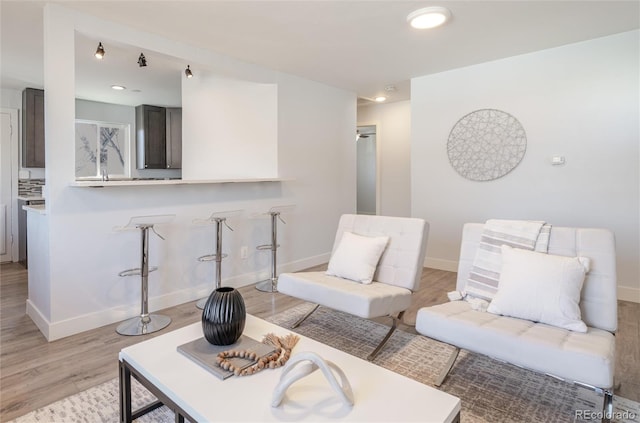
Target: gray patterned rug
pixel 490 391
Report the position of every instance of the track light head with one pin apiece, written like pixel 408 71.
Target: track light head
pixel 142 61
pixel 188 72
pixel 99 51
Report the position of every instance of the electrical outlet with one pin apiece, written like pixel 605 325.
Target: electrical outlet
pixel 244 252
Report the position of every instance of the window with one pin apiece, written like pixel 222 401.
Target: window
pixel 102 149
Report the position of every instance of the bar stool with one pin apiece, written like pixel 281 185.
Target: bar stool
pixel 271 284
pixel 144 323
pixel 218 218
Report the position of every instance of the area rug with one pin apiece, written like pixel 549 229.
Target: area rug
pixel 490 391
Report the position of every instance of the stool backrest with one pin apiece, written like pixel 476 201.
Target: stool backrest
pixel 402 261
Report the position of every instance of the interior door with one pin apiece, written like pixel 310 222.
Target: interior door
pixel 8 132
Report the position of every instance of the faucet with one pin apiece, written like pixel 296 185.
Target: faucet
pixel 105 174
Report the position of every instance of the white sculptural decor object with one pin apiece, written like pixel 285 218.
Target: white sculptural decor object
pixel 310 363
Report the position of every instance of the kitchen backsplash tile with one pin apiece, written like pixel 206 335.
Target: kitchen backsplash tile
pixel 30 187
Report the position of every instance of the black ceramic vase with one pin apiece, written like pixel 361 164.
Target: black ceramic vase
pixel 223 316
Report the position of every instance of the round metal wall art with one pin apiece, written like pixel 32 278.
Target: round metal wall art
pixel 486 144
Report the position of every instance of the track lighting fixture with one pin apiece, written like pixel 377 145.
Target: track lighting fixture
pixel 142 61
pixel 188 72
pixel 99 51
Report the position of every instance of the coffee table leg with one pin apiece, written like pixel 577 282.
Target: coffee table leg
pixel 125 394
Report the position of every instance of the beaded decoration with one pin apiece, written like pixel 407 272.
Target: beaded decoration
pixel 278 358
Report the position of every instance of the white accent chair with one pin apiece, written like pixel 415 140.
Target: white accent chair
pixel 396 277
pixel 585 358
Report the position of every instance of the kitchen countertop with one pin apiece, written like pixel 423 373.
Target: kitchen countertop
pixel 36 208
pixel 146 182
pixel 30 197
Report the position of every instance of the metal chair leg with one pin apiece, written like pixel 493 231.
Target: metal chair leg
pixel 607 406
pixel 445 371
pixel 394 325
pixel 296 324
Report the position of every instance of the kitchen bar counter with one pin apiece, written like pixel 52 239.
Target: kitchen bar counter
pixel 147 182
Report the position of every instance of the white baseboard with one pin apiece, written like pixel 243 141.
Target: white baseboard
pixel 441 264
pixel 38 318
pixel 78 324
pixel 627 293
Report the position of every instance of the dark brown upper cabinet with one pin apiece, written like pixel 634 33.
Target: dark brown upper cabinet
pixel 174 138
pixel 32 127
pixel 151 137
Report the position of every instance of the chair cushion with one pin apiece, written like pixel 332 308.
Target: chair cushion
pixel 402 260
pixel 541 287
pixel 598 302
pixel 368 301
pixel 357 257
pixel 581 357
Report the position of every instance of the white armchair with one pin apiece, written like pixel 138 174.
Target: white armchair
pixel 587 358
pixel 397 274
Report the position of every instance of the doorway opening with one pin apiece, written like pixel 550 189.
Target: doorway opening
pixel 366 182
pixel 8 168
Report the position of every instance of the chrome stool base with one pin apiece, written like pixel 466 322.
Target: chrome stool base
pixel 268 285
pixel 271 284
pixel 201 303
pixel 219 219
pixel 145 322
pixel 140 325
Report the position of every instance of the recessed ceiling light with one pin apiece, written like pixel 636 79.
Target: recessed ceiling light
pixel 380 99
pixel 429 17
pixel 118 87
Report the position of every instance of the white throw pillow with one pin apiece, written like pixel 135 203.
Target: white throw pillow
pixel 541 287
pixel 357 257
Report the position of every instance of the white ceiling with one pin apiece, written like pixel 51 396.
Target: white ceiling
pixel 361 46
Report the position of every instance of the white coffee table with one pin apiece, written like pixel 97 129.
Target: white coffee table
pixel 197 395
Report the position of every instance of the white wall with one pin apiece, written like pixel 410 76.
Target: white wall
pixel 10 98
pixel 579 101
pixel 233 124
pixel 393 132
pixel 315 149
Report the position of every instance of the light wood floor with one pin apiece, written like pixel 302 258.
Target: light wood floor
pixel 34 372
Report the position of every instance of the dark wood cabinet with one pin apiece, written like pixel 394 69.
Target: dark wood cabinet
pixel 151 137
pixel 33 128
pixel 174 138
